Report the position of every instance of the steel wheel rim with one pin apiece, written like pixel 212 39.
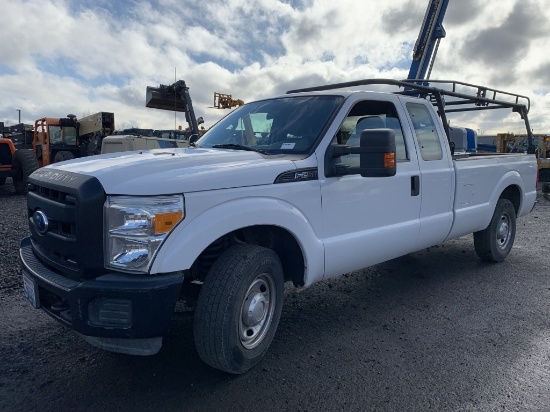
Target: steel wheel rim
pixel 504 230
pixel 257 311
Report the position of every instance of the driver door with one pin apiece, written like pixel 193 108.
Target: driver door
pixel 370 220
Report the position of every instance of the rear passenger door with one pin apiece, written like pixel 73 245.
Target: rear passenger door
pixel 436 175
pixel 370 220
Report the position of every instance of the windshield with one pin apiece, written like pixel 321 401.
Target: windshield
pixel 63 135
pixel 284 125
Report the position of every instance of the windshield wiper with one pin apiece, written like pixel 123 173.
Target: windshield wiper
pixel 238 147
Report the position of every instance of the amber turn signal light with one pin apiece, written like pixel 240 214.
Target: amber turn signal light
pixel 164 222
pixel 389 160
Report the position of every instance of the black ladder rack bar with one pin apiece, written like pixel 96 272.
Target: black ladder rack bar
pixel 416 86
pixel 478 100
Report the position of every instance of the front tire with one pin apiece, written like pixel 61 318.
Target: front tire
pixel 495 242
pixel 24 163
pixel 239 308
pixel 62 156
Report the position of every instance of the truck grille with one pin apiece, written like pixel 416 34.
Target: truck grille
pixel 72 242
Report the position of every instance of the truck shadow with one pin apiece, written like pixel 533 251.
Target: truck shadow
pixel 401 324
pixel 405 305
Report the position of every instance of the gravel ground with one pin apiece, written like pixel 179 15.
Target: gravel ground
pixel 13 227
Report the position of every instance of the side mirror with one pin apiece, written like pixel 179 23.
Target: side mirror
pixel 376 155
pixel 379 158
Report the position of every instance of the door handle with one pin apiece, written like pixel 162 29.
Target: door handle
pixel 415 185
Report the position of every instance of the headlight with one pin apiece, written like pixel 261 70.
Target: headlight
pixel 135 227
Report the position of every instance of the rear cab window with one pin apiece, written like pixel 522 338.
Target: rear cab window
pixel 425 131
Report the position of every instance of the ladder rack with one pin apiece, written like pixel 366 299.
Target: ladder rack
pixel 453 96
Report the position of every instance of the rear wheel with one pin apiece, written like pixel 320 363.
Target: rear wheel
pixel 24 163
pixel 495 242
pixel 2 181
pixel 544 175
pixel 62 156
pixel 239 307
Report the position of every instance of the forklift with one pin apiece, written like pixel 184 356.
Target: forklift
pixel 55 139
pixel 59 139
pixel 18 164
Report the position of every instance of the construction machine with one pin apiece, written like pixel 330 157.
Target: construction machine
pixel 518 143
pixel 427 43
pixel 59 139
pixel 175 97
pixel 226 101
pixel 18 164
pixel 424 53
pixel 94 128
pixel 20 134
pixel 543 157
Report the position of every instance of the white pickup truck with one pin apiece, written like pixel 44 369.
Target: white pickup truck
pixel 298 188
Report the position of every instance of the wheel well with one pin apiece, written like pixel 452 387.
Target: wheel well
pixel 513 194
pixel 281 241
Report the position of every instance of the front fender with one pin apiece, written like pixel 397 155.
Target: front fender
pixel 186 242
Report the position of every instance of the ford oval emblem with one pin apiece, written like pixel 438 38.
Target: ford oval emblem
pixel 40 221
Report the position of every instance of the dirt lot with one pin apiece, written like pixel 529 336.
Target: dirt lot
pixel 437 330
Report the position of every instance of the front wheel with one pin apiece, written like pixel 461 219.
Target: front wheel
pixel 24 164
pixel 495 242
pixel 239 308
pixel 62 156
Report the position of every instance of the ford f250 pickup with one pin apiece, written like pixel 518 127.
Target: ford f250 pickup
pixel 297 188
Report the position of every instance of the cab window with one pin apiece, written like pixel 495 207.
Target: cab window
pixel 55 134
pixel 370 114
pixel 426 134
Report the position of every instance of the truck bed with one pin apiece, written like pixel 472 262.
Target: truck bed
pixel 479 182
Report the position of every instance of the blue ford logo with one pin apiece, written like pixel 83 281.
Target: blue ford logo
pixel 40 222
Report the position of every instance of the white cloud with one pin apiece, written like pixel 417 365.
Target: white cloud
pixel 62 57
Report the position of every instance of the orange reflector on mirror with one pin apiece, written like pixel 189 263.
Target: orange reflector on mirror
pixel 389 160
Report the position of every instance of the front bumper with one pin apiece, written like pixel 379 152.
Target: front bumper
pixel 116 308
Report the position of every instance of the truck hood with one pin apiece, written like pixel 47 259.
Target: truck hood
pixel 165 171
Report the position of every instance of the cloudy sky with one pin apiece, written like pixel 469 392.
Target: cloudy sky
pixel 85 56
